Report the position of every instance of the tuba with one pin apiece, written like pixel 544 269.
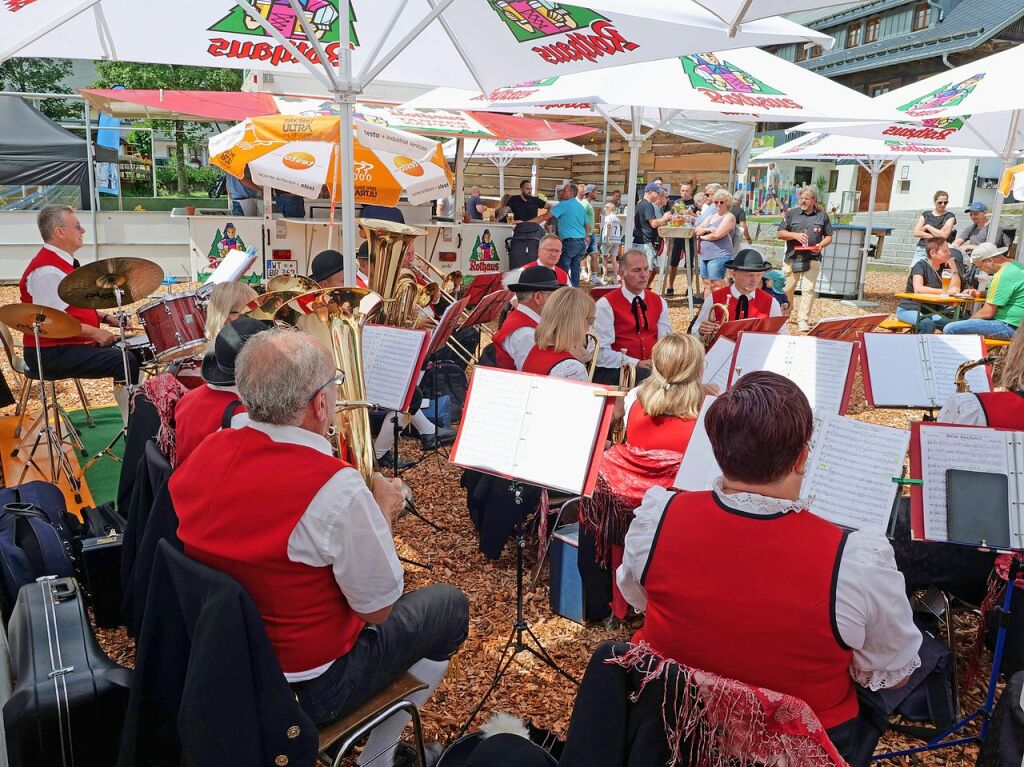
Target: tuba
pixel 336 316
pixel 961 372
pixel 396 285
pixel 627 380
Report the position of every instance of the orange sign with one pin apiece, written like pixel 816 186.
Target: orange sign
pixel 408 166
pixel 299 160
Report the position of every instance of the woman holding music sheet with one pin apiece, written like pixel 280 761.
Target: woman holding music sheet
pixel 926 277
pixel 561 336
pixel 659 415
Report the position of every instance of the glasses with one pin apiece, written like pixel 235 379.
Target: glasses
pixel 942 202
pixel 338 380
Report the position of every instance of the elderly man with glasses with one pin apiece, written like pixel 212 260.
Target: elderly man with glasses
pixel 807 232
pixel 270 505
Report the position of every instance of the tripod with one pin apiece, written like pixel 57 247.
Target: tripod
pixel 521 631
pixel 410 508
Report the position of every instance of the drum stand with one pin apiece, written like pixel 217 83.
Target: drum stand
pixel 521 631
pixel 108 451
pixel 59 463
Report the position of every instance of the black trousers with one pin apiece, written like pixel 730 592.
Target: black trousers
pixel 81 361
pixel 430 623
pixel 610 376
pixel 856 739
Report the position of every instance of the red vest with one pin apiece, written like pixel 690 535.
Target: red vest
pixel 1003 409
pixel 237 505
pixel 662 432
pixel 560 276
pixel 760 306
pixel 541 361
pixel 627 338
pixel 46 257
pixel 770 623
pixel 198 414
pixel 515 320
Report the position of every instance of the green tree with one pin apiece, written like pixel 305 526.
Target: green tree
pixel 41 76
pixel 172 77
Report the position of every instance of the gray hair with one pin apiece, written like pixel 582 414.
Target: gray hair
pixel 50 218
pixel 549 236
pixel 573 188
pixel 624 257
pixel 809 190
pixel 712 188
pixel 277 373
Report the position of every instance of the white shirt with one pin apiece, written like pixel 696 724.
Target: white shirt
pixel 239 419
pixel 705 310
pixel 963 409
pixel 873 615
pixel 343 528
pixel 572 370
pixel 519 342
pixel 42 282
pixel 604 325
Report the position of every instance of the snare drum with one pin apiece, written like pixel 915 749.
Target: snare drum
pixel 142 348
pixel 176 326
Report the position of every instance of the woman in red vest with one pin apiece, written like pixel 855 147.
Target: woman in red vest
pixel 561 336
pixel 1003 409
pixel 743 581
pixel 227 299
pixel 659 416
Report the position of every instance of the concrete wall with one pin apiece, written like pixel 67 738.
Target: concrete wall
pixel 155 236
pixel 926 178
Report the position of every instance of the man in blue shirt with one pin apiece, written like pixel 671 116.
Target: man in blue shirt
pixel 572 229
pixel 243 194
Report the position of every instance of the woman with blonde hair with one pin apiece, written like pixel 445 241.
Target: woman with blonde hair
pixel 660 415
pixel 714 234
pixel 561 337
pixel 226 300
pixel 1003 409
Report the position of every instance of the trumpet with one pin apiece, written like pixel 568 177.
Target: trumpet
pixel 961 372
pixel 722 310
pixel 627 380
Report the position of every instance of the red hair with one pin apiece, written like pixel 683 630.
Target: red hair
pixel 758 427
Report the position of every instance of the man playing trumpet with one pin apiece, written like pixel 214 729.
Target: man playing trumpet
pixel 742 300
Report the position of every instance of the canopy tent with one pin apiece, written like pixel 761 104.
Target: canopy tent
pixel 974 106
pixel 501 152
pixel 874 155
pixel 347 44
pixel 35 151
pixel 217 106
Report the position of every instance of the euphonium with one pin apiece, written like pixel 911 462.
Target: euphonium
pixel 961 372
pixel 397 286
pixel 627 380
pixel 336 316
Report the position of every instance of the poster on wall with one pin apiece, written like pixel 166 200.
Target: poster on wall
pixel 212 238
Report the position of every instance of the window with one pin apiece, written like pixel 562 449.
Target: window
pixel 904 186
pixel 871 30
pixel 816 50
pixel 922 11
pixel 801 52
pixel 802 174
pixel 853 35
pixel 877 89
pixel 833 180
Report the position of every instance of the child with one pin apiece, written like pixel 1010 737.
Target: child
pixel 611 244
pixel 775 283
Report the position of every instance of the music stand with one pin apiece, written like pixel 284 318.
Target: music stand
pixel 732 328
pixel 481 286
pixel 846 328
pixel 445 327
pixel 521 630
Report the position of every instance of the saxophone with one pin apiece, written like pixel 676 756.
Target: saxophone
pixel 961 372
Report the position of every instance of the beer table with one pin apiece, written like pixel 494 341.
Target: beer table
pixel 668 234
pixel 953 304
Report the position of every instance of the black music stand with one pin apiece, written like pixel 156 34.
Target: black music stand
pixel 397 471
pixel 521 631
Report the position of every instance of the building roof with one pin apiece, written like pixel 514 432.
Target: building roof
pixel 966 26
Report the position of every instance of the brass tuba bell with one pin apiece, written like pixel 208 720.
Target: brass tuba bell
pixel 386 242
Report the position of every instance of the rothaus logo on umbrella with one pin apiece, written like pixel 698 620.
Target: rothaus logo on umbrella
pixel 322 16
pixel 16 5
pixel 587 35
pixel 725 83
pixel 934 103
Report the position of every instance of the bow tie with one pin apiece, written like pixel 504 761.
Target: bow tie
pixel 742 307
pixel 74 263
pixel 639 309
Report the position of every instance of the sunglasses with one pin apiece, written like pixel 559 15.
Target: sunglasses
pixel 338 380
pixel 942 202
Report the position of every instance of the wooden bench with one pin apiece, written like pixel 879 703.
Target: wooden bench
pixel 895 326
pixel 991 344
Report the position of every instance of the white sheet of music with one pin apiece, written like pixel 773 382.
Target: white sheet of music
pixel 850 471
pixel 717 362
pixel 818 366
pixel 920 370
pixel 699 467
pixel 538 429
pixel 951 447
pixel 390 357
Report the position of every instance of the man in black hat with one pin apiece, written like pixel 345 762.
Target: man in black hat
pixel 743 299
pixel 514 339
pixel 215 405
pixel 328 270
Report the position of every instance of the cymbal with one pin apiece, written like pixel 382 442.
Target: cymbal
pixel 264 306
pixel 330 302
pixel 92 286
pixel 294 282
pixel 54 323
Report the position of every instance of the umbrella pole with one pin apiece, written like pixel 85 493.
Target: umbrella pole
pixel 997 205
pixel 346 97
pixel 460 180
pixel 607 152
pixel 635 140
pixel 501 179
pixel 875 170
pixel 533 177
pixel 93 197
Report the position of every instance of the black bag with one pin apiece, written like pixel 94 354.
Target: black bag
pixel 69 704
pixel 97 546
pixel 928 694
pixel 451 380
pixel 522 246
pixel 1003 745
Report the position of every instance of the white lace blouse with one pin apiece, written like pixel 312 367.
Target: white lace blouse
pixel 872 612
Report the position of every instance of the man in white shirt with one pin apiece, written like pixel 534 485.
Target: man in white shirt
pixel 827 611
pixel 744 299
pixel 630 320
pixel 312 544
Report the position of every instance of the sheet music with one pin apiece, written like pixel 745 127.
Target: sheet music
pixel 951 447
pixel 850 471
pixel 920 370
pixel 699 467
pixel 390 357
pixel 534 428
pixel 717 362
pixel 818 366
pixel 947 353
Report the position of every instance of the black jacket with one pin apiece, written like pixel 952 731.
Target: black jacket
pixel 207 689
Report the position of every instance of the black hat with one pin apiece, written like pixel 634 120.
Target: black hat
pixel 748 260
pixel 326 264
pixel 500 750
pixel 219 368
pixel 534 278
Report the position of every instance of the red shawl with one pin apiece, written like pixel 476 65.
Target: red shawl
pixel 625 475
pixel 163 391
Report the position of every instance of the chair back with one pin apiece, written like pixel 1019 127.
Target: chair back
pixel 16 361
